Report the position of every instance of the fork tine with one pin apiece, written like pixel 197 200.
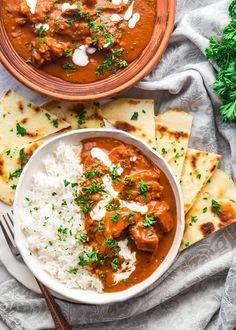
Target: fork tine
pixel 8 230
pixel 11 221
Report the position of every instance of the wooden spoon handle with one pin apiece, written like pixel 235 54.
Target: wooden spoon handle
pixel 58 318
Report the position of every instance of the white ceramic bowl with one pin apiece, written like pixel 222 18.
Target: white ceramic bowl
pixel 35 164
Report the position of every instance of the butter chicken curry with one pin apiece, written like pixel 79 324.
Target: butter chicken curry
pixel 79 41
pixel 130 212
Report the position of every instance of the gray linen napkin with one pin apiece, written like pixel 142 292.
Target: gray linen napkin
pixel 196 292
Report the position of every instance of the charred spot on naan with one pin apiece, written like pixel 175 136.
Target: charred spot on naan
pixel 227 213
pixel 133 101
pixel 1 167
pixel 207 228
pixel 20 106
pixel 124 126
pixel 176 134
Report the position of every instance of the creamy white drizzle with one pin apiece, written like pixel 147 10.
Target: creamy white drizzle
pixel 67 6
pixel 39 25
pixel 102 156
pixel 134 20
pixel 133 158
pixel 108 186
pixel 32 5
pixel 115 18
pixel 91 50
pixel 128 266
pixel 80 56
pixel 116 2
pixel 129 12
pixel 134 206
pixel 119 169
pixel 99 211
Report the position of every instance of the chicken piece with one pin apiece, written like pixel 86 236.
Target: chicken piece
pixel 49 51
pixel 105 42
pixel 113 228
pixel 161 211
pixel 42 8
pixel 90 3
pixel 120 154
pixel 145 238
pixel 77 31
pixel 117 8
pixel 21 20
pixel 142 187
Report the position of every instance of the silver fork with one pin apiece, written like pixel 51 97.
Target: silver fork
pixel 7 226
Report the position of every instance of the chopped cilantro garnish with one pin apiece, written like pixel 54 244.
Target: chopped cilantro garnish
pixel 20 130
pixel 83 238
pixel 81 119
pixel 93 255
pixel 15 174
pixel 204 210
pixel 62 230
pixel 66 183
pixel 143 187
pixel 194 219
pixel 216 206
pixel 134 116
pixel 48 115
pixel 110 243
pixel 149 221
pixel 73 271
pixel 55 123
pixel 164 152
pixel 131 217
pixel 115 218
pixel 91 174
pixel 111 206
pixel 83 262
pixel 115 264
pixel 94 188
pixel 24 159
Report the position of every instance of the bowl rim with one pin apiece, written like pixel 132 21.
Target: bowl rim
pixel 88 296
pixel 105 92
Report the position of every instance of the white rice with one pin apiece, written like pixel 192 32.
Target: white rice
pixel 44 214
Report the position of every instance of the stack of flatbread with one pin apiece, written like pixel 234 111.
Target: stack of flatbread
pixel 209 194
pixel 23 126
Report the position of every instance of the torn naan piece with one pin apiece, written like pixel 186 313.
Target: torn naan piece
pixel 12 162
pixel 78 115
pixel 172 136
pixel 22 122
pixel 215 208
pixel 133 116
pixel 197 170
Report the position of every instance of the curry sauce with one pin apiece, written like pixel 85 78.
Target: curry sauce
pixel 80 42
pixel 129 209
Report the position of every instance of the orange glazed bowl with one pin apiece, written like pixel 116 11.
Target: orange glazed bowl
pixel 112 85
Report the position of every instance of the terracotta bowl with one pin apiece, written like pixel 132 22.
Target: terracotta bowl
pixel 124 79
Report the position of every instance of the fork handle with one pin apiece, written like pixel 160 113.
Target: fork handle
pixel 58 318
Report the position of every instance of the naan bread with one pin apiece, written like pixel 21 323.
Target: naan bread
pixel 197 170
pixel 133 116
pixel 12 161
pixel 172 136
pixel 78 115
pixel 214 209
pixel 22 121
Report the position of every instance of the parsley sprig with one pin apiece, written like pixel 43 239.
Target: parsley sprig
pixel 223 52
